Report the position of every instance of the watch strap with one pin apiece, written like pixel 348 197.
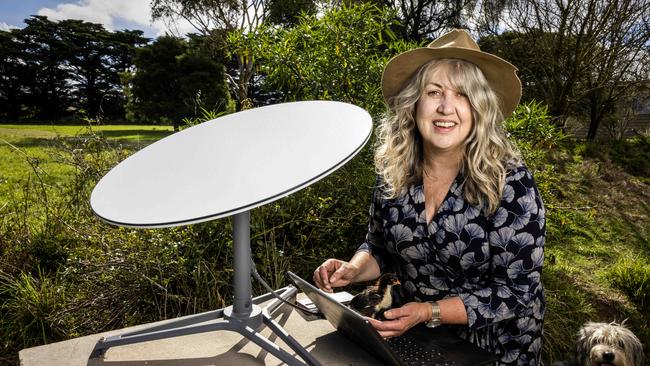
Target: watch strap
pixel 435 315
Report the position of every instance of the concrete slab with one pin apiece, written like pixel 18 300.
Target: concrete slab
pixel 205 349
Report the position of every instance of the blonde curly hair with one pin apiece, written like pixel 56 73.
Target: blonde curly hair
pixel 487 152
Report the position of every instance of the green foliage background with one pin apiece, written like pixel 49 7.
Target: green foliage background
pixel 339 56
pixel 175 80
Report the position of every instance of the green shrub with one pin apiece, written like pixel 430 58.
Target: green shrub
pixel 327 219
pixel 532 124
pixel 531 128
pixel 338 55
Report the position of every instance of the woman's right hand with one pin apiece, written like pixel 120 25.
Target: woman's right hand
pixel 334 273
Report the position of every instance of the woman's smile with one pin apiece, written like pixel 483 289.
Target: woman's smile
pixel 444 126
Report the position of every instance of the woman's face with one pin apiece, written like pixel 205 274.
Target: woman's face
pixel 443 115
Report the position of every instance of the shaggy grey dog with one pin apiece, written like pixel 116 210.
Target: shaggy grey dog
pixel 608 344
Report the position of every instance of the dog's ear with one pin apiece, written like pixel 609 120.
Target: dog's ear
pixel 634 349
pixel 579 360
pixel 583 347
pixel 638 359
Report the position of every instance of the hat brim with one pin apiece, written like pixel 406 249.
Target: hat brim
pixel 500 74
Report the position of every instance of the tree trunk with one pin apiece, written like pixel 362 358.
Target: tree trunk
pixel 245 74
pixel 595 117
pixel 593 130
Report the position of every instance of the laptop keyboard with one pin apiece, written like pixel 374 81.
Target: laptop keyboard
pixel 412 353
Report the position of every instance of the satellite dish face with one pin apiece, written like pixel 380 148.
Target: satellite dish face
pixel 231 164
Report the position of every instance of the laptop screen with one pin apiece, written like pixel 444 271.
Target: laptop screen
pixel 347 321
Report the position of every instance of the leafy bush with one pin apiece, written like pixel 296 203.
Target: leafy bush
pixel 531 127
pixel 567 309
pixel 337 56
pixel 534 134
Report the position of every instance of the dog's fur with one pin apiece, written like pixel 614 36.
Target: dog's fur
pixel 602 344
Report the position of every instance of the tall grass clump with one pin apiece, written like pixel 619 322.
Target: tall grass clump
pixel 632 154
pixel 632 277
pixel 32 308
pixel 81 275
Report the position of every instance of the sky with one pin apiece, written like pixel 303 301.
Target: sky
pixel 113 14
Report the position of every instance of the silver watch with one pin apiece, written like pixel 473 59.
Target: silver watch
pixel 435 315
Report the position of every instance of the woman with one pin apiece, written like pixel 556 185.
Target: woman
pixel 455 214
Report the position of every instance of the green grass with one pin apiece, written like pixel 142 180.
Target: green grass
pixel 117 132
pixel 598 245
pixel 26 148
pixel 19 162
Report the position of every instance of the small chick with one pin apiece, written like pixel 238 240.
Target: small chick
pixel 373 301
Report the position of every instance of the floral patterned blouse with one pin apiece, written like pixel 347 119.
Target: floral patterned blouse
pixel 493 263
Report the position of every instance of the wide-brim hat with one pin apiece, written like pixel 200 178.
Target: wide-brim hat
pixel 500 74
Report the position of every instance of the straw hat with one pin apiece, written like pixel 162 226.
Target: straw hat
pixel 500 74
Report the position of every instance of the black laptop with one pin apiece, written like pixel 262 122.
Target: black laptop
pixel 419 346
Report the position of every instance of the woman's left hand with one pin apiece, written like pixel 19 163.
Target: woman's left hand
pixel 399 320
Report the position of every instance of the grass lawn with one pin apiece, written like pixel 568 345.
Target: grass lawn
pixel 132 133
pixel 25 148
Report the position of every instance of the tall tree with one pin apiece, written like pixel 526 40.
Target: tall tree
pixel 224 17
pixel 236 22
pixel 621 59
pixel 12 71
pixel 50 68
pixel 589 51
pixel 95 58
pixel 172 81
pixel 423 20
pixel 43 55
pixel 515 47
